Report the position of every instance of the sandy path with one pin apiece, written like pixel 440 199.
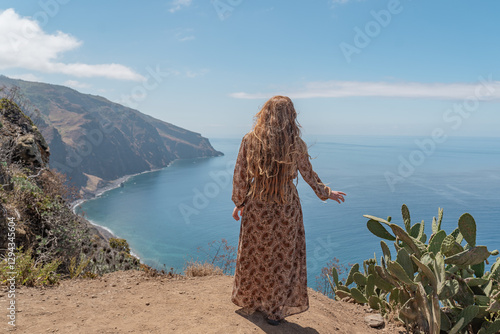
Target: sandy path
pixel 131 302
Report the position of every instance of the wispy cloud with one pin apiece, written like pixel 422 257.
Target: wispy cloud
pixel 25 45
pixel 486 90
pixel 341 2
pixel 185 38
pixel 184 35
pixel 76 84
pixel 26 77
pixel 336 3
pixel 177 5
pixel 195 74
pixel 187 73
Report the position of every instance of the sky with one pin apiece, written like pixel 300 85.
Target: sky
pixel 352 67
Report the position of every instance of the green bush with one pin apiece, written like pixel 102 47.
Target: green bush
pixel 22 183
pixel 120 245
pixel 431 287
pixel 28 271
pixel 77 266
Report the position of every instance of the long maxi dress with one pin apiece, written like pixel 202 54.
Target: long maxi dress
pixel 271 273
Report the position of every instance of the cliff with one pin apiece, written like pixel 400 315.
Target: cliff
pixel 95 141
pixel 35 216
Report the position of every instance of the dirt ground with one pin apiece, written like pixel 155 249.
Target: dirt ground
pixel 132 302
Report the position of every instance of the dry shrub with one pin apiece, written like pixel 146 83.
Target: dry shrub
pixel 222 255
pixel 322 281
pixel 152 272
pixel 200 269
pixel 55 184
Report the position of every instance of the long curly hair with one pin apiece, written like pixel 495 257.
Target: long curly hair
pixel 273 147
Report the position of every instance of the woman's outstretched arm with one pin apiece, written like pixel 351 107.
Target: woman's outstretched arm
pixel 337 196
pixel 309 175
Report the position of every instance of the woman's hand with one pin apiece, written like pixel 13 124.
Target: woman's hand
pixel 337 196
pixel 237 213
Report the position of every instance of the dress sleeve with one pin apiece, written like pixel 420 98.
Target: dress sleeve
pixel 308 174
pixel 240 184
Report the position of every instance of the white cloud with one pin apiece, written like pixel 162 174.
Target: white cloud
pixel 179 4
pixel 194 74
pixel 25 77
pixel 340 2
pixel 184 35
pixel 25 45
pixel 75 84
pixel 185 38
pixel 485 89
pixel 335 3
pixel 187 73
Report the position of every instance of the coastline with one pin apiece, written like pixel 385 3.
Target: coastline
pixel 110 186
pixel 104 231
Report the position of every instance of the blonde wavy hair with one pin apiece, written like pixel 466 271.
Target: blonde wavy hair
pixel 273 147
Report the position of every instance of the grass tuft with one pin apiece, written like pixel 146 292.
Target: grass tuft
pixel 201 269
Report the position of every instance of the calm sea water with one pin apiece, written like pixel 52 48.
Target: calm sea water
pixel 166 215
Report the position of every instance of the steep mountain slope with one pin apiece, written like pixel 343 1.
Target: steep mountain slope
pixel 94 141
pixel 34 214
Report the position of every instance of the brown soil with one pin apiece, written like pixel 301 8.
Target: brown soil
pixel 132 302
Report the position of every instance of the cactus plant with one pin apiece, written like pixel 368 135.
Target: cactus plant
pixel 433 287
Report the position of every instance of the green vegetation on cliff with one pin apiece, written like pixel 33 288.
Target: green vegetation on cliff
pixel 39 233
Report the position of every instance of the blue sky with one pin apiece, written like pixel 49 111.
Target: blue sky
pixel 352 67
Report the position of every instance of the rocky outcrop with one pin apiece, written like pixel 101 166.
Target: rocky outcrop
pixel 93 138
pixel 22 137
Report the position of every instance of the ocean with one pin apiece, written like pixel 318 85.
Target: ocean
pixel 167 215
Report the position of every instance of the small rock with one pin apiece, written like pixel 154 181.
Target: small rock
pixel 147 304
pixel 375 320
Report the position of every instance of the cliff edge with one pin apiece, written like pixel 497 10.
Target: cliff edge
pixel 133 302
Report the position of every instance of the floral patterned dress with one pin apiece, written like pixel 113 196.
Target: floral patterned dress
pixel 271 273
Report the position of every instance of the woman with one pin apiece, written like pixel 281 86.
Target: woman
pixel 271 274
